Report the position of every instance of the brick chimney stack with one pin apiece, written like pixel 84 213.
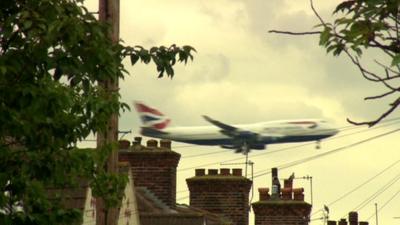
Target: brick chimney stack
pixel 285 208
pixel 153 167
pixel 223 193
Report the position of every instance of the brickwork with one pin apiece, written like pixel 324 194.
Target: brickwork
pixel 73 197
pixel 154 167
pixel 222 193
pixel 286 208
pixel 281 212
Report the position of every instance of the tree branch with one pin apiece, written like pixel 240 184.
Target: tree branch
pixel 364 72
pixel 316 13
pixel 393 106
pixel 381 96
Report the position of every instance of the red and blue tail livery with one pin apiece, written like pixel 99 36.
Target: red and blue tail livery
pixel 151 117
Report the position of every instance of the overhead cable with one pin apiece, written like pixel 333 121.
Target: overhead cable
pixel 359 186
pixel 307 159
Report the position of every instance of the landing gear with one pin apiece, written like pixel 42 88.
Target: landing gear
pixel 245 150
pixel 318 144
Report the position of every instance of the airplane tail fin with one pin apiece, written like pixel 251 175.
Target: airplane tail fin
pixel 151 118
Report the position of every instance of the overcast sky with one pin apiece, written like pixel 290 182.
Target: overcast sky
pixel 243 74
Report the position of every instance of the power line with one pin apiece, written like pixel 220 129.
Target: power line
pixel 359 186
pixel 307 159
pixel 204 154
pixel 387 202
pixel 377 193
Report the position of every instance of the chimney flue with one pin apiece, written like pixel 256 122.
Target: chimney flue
pixel 225 171
pixel 286 193
pixel 353 218
pixel 152 143
pixel 212 171
pixel 298 194
pixel 138 140
pixel 264 194
pixel 124 144
pixel 165 144
pixel 200 172
pixel 276 186
pixel 342 222
pixel 288 183
pixel 237 172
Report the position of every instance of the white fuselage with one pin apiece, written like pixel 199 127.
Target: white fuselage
pixel 267 132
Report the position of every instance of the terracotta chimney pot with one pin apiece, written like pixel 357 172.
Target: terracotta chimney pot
pixel 165 144
pixel 237 172
pixel 124 144
pixel 286 193
pixel 225 171
pixel 342 222
pixel 298 194
pixel 200 172
pixel 288 183
pixel 331 222
pixel 152 143
pixel 264 194
pixel 353 218
pixel 138 140
pixel 212 172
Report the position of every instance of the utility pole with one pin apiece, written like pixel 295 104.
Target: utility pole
pixel 109 13
pixel 376 213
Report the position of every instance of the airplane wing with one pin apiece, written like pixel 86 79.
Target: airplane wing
pixel 250 139
pixel 231 130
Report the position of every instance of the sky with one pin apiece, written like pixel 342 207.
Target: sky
pixel 243 74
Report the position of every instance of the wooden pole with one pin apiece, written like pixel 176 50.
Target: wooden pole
pixel 109 12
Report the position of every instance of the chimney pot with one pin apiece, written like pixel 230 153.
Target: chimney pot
pixel 124 144
pixel 353 218
pixel 287 183
pixel 138 140
pixel 165 144
pixel 264 194
pixel 212 172
pixel 237 172
pixel 286 193
pixel 342 222
pixel 298 194
pixel 225 171
pixel 200 172
pixel 298 190
pixel 152 143
pixel 274 172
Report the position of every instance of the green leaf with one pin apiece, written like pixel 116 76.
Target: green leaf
pixel 396 60
pixel 324 36
pixel 134 59
pixel 344 6
pixel 27 24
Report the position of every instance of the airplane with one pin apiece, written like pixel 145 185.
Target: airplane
pixel 241 138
